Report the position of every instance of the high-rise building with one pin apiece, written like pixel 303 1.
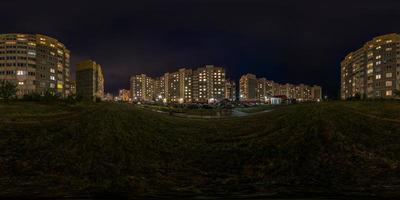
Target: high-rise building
pixel 373 71
pixel 161 88
pixel 248 88
pixel 89 80
pixel 142 88
pixel 180 86
pixel 35 63
pixel 208 84
pixel 230 90
pixel 253 89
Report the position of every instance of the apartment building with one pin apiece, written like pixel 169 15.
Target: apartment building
pixel 35 63
pixel 253 89
pixel 203 85
pixel 89 80
pixel 230 90
pixel 124 95
pixel 248 88
pixel 142 88
pixel 208 84
pixel 373 71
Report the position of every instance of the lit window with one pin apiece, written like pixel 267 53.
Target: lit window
pixel 389 75
pixel 378 47
pixel 20 73
pixel 52 70
pixel 21 83
pixel 389 93
pixel 52 78
pixel 378 63
pixel 389 83
pixel 378 76
pixel 378 57
pixel 52 85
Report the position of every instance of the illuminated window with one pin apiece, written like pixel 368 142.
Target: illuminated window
pixel 52 70
pixel 21 83
pixel 389 83
pixel 378 57
pixel 52 85
pixel 389 75
pixel 378 76
pixel 378 63
pixel 20 73
pixel 389 93
pixel 378 47
pixel 52 78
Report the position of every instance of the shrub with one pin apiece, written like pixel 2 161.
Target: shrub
pixel 8 90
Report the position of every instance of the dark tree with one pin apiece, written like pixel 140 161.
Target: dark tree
pixel 7 90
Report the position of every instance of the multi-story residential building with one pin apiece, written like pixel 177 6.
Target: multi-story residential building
pixel 253 89
pixel 161 85
pixel 248 88
pixel 230 90
pixel 208 84
pixel 124 95
pixel 89 80
pixel 142 88
pixel 180 86
pixel 202 85
pixel 373 71
pixel 35 63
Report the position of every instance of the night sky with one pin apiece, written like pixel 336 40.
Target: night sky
pixel 296 41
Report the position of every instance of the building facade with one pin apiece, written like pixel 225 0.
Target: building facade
pixel 89 80
pixel 208 84
pixel 35 63
pixel 253 89
pixel 124 95
pixel 142 88
pixel 373 71
pixel 203 85
pixel 230 90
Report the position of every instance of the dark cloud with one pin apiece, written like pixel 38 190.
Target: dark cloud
pixel 286 41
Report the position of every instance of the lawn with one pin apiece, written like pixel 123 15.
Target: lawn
pixel 258 108
pixel 119 149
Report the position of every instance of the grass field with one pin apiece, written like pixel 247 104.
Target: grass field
pixel 339 148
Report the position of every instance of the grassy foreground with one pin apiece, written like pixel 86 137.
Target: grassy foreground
pixel 326 149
